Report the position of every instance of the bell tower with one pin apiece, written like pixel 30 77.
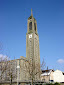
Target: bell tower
pixel 32 26
pixel 32 47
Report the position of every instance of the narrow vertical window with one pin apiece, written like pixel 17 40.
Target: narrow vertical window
pixel 35 26
pixel 30 26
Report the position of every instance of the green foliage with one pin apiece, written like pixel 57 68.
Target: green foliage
pixel 53 84
pixel 56 83
pixel 48 84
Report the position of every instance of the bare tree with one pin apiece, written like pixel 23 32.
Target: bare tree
pixel 43 65
pixel 34 70
pixel 3 66
pixel 11 72
pixel 7 69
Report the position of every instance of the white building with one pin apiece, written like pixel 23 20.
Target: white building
pixel 58 76
pixel 47 75
pixel 52 76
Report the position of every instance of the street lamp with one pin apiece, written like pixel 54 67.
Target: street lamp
pixel 18 67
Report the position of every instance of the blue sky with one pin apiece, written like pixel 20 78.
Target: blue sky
pixel 50 24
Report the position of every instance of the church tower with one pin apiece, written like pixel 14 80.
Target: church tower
pixel 32 47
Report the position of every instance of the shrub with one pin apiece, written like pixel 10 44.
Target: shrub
pixel 56 83
pixel 51 84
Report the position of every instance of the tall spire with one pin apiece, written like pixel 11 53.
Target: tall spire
pixel 31 13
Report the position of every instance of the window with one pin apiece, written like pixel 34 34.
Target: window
pixel 35 26
pixel 30 26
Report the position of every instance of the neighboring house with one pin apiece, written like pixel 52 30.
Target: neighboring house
pixel 52 76
pixel 58 76
pixel 47 75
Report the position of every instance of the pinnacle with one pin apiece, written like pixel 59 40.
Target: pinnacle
pixel 31 13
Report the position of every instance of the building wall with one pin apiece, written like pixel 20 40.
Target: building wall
pixel 58 76
pixel 8 69
pixel 17 73
pixel 45 78
pixel 23 69
pixel 51 75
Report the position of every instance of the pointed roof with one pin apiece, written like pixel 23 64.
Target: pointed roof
pixel 46 72
pixel 31 15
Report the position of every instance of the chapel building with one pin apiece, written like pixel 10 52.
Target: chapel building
pixel 27 68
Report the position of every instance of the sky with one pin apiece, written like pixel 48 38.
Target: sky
pixel 49 15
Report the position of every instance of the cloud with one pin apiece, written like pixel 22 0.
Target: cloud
pixel 3 57
pixel 60 61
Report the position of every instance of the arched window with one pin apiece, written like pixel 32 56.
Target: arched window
pixel 35 26
pixel 30 26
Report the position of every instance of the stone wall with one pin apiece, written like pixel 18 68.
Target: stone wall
pixel 24 83
pixel 12 83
